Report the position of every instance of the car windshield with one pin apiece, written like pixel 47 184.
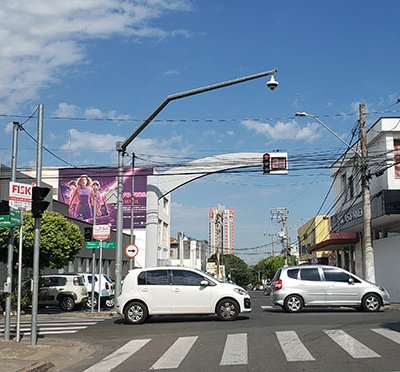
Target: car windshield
pixel 209 276
pixel 111 280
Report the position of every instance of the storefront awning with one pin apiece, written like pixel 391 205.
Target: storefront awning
pixel 336 241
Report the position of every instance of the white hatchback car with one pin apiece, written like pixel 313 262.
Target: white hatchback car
pixel 179 290
pixel 296 287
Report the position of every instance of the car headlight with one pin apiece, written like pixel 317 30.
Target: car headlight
pixel 241 291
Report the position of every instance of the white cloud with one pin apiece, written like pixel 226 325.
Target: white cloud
pixel 90 141
pixel 67 110
pixel 40 38
pixel 9 128
pixel 291 130
pixel 85 141
pixel 172 72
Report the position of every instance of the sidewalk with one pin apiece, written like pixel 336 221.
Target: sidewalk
pixel 49 354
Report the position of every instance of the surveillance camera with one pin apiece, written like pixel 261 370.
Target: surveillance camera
pixel 272 83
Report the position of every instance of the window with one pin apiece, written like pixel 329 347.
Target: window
pixel 396 144
pixel 183 277
pixel 351 187
pixel 153 277
pixel 344 186
pixel 293 273
pixel 333 275
pixel 310 274
pixel 53 281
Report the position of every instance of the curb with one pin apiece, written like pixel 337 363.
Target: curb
pixel 41 366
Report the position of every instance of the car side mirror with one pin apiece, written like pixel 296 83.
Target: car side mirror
pixel 351 281
pixel 204 283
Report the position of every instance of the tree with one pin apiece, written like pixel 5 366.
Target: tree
pixel 235 268
pixel 269 266
pixel 60 241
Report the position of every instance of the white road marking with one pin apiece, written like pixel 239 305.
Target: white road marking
pixel 119 356
pixel 388 333
pixel 292 347
pixel 173 357
pixel 235 350
pixel 355 348
pixel 267 307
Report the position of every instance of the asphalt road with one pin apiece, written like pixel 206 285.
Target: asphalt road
pixel 267 339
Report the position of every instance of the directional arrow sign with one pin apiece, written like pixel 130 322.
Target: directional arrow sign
pixel 131 250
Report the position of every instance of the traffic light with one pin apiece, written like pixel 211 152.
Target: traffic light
pixel 275 163
pixel 4 207
pixel 266 164
pixel 88 233
pixel 39 204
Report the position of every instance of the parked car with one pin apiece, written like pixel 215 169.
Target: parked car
pixel 107 289
pixel 178 290
pixel 316 285
pixel 65 290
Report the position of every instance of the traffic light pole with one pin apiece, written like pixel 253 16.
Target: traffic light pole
pixel 36 246
pixel 10 264
pixel 94 253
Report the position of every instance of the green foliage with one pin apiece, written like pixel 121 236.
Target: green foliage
pixel 235 268
pixel 60 241
pixel 268 266
pixel 26 299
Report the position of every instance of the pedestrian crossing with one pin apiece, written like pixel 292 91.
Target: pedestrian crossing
pixel 236 349
pixel 52 327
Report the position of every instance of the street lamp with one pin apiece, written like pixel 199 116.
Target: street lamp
pixel 368 251
pixel 305 114
pixel 121 147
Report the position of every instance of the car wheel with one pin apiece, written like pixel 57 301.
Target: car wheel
pixel 227 310
pixel 293 304
pixel 67 303
pixel 135 313
pixel 89 301
pixel 110 302
pixel 371 302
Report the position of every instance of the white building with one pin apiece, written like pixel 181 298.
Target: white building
pixel 188 252
pixel 383 142
pixel 222 230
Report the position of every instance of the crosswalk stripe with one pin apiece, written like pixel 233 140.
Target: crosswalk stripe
pixel 355 348
pixel 173 357
pixel 41 333
pixel 292 347
pixel 119 356
pixel 388 333
pixel 235 350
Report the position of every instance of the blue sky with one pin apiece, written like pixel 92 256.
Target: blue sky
pixel 112 62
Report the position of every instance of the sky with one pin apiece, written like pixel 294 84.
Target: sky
pixel 101 67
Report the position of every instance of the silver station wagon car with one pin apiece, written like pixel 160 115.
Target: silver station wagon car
pixel 296 287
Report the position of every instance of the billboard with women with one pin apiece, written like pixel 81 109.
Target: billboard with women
pixel 77 188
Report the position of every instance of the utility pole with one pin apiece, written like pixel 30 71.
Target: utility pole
pixel 368 250
pixel 36 246
pixel 10 246
pixel 281 215
pixel 132 260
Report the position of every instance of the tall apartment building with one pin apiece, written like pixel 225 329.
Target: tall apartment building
pixel 222 230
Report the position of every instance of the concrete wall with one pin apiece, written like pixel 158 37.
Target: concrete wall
pixel 387 261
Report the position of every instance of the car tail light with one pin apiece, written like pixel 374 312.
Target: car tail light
pixel 107 286
pixel 278 285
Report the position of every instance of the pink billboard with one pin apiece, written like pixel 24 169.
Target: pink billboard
pixel 78 186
